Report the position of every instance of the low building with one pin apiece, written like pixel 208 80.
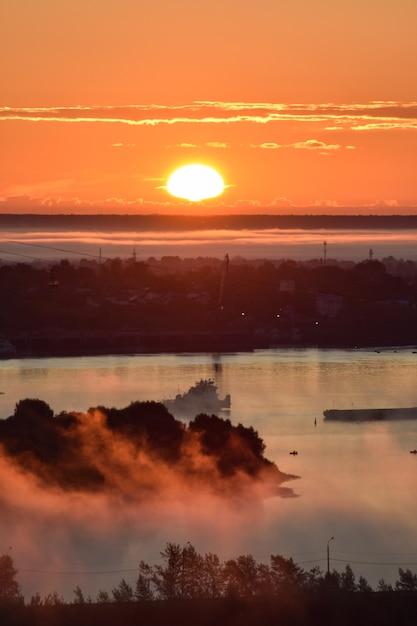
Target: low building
pixel 329 305
pixel 287 285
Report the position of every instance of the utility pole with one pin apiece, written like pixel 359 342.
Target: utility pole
pixel 224 271
pixel 328 556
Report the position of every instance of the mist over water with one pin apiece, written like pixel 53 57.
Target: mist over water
pixel 27 246
pixel 357 482
pixel 61 538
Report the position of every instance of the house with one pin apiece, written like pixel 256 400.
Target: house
pixel 329 305
pixel 287 285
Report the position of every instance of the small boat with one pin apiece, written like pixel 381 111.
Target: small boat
pixel 370 415
pixel 200 398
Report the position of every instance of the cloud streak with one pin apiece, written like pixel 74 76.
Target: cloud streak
pixel 381 116
pixel 309 144
pixel 208 144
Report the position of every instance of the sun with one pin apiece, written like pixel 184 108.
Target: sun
pixel 195 183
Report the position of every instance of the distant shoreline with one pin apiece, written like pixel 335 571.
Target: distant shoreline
pixel 95 343
pixel 207 222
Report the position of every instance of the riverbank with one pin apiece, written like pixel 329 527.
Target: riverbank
pixel 91 343
pixel 94 343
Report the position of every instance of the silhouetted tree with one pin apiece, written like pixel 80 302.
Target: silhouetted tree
pixel 213 579
pixel 150 421
pixel 168 578
pixel 347 579
pixel 363 585
pixel 53 599
pixel 79 596
pixel 384 586
pixel 241 576
pixel 332 580
pixel 32 408
pixel 123 593
pixel 232 446
pixel 36 600
pixel 9 587
pixel 143 589
pixel 264 582
pixel 103 597
pixel 314 578
pixel 407 580
pixel 191 575
pixel 285 573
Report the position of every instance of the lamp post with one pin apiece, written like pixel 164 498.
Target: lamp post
pixel 328 556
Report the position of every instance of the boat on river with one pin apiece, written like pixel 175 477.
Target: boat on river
pixel 200 398
pixel 370 415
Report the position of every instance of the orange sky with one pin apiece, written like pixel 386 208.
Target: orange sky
pixel 102 99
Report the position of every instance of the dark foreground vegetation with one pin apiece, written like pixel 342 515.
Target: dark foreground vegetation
pixel 204 304
pixel 188 588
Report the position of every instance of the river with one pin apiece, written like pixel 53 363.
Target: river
pixel 357 482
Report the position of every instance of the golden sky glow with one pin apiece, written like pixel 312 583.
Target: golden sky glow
pixel 304 104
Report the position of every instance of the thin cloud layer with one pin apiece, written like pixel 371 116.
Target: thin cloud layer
pixel 366 116
pixel 309 144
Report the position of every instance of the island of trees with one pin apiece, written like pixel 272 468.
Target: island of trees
pixel 131 452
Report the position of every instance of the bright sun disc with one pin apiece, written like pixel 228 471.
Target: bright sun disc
pixel 195 183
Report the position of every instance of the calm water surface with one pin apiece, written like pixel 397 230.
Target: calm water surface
pixel 357 482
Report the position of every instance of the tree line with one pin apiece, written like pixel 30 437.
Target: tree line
pixel 185 574
pixel 268 301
